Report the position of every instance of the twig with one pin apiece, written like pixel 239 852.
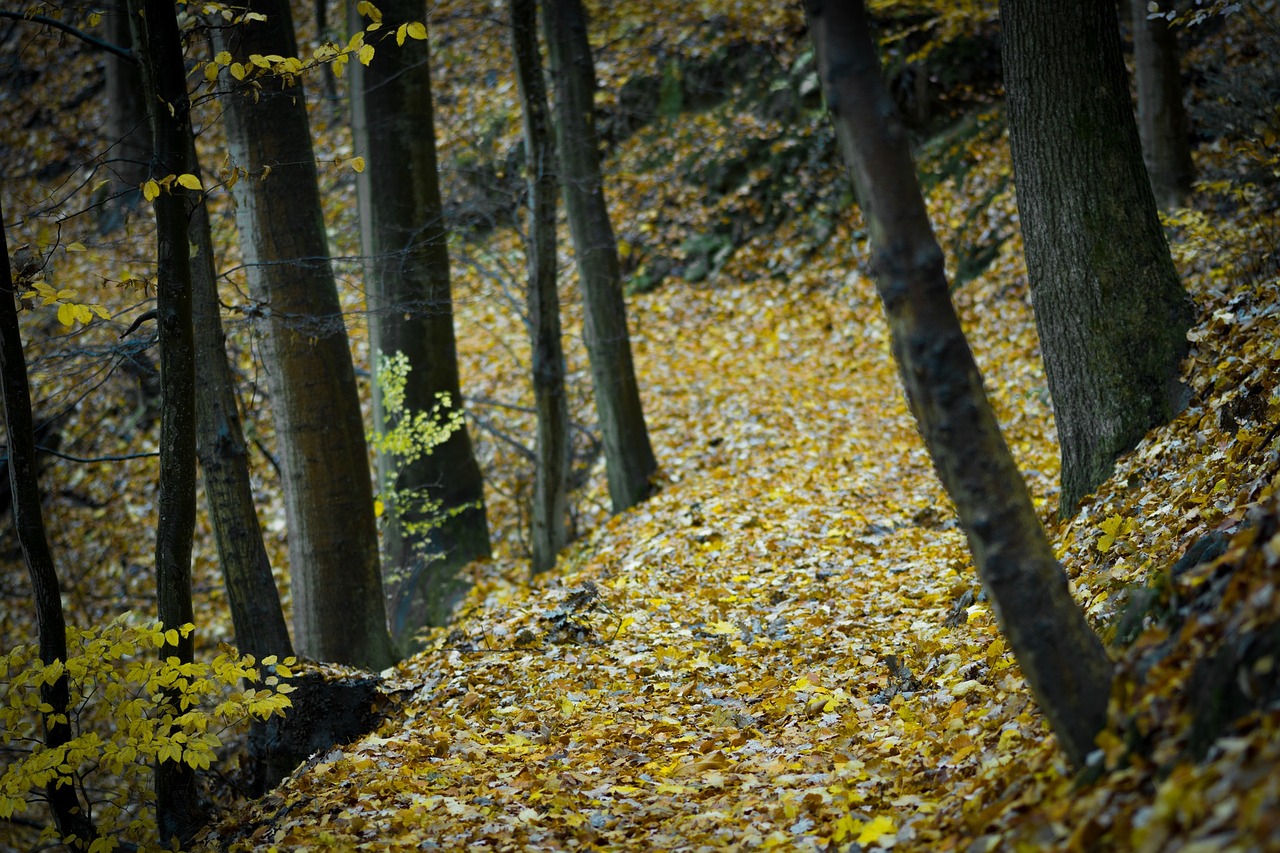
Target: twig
pixel 122 52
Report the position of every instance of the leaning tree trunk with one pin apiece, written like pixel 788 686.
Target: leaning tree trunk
pixel 1061 658
pixel 405 245
pixel 1162 118
pixel 551 487
pixel 1111 312
pixel 159 50
pixel 628 455
pixel 338 608
pixel 256 613
pixel 69 816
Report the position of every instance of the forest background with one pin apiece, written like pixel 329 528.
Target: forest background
pixel 786 645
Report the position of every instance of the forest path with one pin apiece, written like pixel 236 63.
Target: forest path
pixel 761 653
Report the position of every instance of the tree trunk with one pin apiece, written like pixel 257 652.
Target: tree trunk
pixel 1162 118
pixel 404 242
pixel 159 51
pixel 338 608
pixel 1062 659
pixel 628 454
pixel 256 613
pixel 1111 312
pixel 28 524
pixel 127 131
pixel 551 487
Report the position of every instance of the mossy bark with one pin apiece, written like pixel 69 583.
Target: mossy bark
pixel 1111 312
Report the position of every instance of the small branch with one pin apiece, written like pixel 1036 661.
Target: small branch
pixel 122 52
pixel 138 321
pixel 126 457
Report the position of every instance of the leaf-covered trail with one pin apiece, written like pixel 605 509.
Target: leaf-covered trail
pixel 774 657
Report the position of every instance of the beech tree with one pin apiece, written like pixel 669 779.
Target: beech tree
pixel 1062 659
pixel 159 49
pixel 551 486
pixel 435 522
pixel 1111 312
pixel 1162 117
pixel 628 454
pixel 338 609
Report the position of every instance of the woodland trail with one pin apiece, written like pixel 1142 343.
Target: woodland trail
pixel 768 651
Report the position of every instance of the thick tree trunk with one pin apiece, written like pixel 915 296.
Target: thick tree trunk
pixel 28 524
pixel 1061 658
pixel 411 312
pixel 246 570
pixel 551 487
pixel 1111 312
pixel 1162 118
pixel 338 608
pixel 159 50
pixel 127 131
pixel 628 453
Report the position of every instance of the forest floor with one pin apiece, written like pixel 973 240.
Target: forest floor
pixel 786 646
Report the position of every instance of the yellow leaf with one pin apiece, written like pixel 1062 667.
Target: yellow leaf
pixel 259 60
pixel 400 31
pixel 150 190
pixel 378 507
pixel 875 830
pixel 171 636
pixel 223 57
pixel 237 70
pixel 357 163
pixel 722 628
pixel 417 30
pixel 95 18
pixel 66 315
pixel 365 55
pixel 191 182
pixel 211 72
pixel 75 247
pixel 82 313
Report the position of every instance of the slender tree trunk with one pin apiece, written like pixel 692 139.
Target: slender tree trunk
pixel 1162 118
pixel 1111 312
pixel 69 815
pixel 338 608
pixel 551 487
pixel 127 131
pixel 1061 658
pixel 159 50
pixel 405 245
pixel 256 613
pixel 628 454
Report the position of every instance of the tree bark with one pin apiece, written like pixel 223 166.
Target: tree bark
pixel 1162 117
pixel 1062 659
pixel 1110 310
pixel 551 486
pixel 410 304
pixel 69 816
pixel 628 453
pixel 338 609
pixel 256 613
pixel 127 130
pixel 159 50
